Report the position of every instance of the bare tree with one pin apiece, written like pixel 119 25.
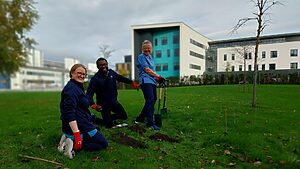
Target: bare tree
pixel 242 53
pixel 262 18
pixel 105 52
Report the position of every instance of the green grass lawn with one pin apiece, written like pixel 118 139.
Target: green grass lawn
pixel 207 119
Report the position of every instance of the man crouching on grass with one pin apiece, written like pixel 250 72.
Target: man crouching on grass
pixel 77 121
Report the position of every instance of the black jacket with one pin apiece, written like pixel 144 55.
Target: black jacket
pixel 105 87
pixel 74 105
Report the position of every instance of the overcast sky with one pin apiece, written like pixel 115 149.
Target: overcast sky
pixel 76 28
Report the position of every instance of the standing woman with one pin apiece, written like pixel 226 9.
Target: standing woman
pixel 76 118
pixel 147 80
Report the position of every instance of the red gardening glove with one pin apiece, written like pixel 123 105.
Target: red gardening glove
pixel 94 106
pixel 77 141
pixel 135 85
pixel 160 79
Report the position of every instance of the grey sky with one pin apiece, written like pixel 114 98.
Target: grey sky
pixel 76 28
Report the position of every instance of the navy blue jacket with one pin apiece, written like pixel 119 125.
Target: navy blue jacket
pixel 75 106
pixel 105 87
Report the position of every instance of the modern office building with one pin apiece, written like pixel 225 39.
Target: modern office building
pixel 178 50
pixel 276 52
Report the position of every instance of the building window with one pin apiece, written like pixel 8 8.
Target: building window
pixel 168 53
pixel 240 67
pixel 273 54
pixel 165 67
pixel 158 53
pixel 263 54
pixel 176 52
pixel 225 57
pixel 249 67
pixel 294 65
pixel 232 68
pixel 192 53
pixel 250 56
pixel 233 57
pixel 164 41
pixel 294 52
pixel 272 66
pixel 197 67
pixel 245 55
pixel 263 67
pixel 176 66
pixel 192 41
pixel 175 39
pixel 157 67
pixel 155 42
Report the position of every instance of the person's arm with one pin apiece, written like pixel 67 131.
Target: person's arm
pixel 151 72
pixel 121 78
pixel 74 126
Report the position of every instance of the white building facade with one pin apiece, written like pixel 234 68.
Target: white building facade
pixel 40 74
pixel 276 52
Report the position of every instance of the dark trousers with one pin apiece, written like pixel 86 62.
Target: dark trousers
pixel 149 91
pixel 95 143
pixel 118 113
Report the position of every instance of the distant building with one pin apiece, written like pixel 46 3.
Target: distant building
pixel 124 68
pixel 276 52
pixel 40 74
pixel 178 50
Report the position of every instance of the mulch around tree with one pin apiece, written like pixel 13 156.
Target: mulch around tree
pixel 163 137
pixel 123 139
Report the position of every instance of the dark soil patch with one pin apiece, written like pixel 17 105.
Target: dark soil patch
pixel 163 137
pixel 122 138
pixel 138 129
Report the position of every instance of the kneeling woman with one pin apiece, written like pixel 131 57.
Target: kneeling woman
pixel 77 121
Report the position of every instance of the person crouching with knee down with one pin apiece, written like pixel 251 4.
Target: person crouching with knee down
pixel 78 129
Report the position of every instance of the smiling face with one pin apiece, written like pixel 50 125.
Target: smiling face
pixel 79 74
pixel 102 65
pixel 147 48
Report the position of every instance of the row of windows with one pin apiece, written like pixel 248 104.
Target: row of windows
pixel 192 53
pixel 272 66
pixel 158 53
pixel 165 67
pixel 40 73
pixel 197 67
pixel 164 40
pixel 192 41
pixel 273 54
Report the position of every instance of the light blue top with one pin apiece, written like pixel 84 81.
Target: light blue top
pixel 143 62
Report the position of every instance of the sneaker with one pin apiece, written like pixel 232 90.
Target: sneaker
pixel 120 125
pixel 138 122
pixel 69 148
pixel 62 143
pixel 154 127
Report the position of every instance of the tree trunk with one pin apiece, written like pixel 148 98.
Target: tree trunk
pixel 259 29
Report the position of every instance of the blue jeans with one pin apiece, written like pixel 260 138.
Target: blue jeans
pixel 149 91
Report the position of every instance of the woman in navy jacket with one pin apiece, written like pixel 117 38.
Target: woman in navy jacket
pixel 77 121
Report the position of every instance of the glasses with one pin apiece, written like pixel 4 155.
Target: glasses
pixel 81 74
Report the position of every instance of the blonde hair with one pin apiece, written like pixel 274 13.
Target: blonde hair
pixel 74 67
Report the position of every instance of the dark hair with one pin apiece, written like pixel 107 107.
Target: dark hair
pixel 74 67
pixel 100 59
